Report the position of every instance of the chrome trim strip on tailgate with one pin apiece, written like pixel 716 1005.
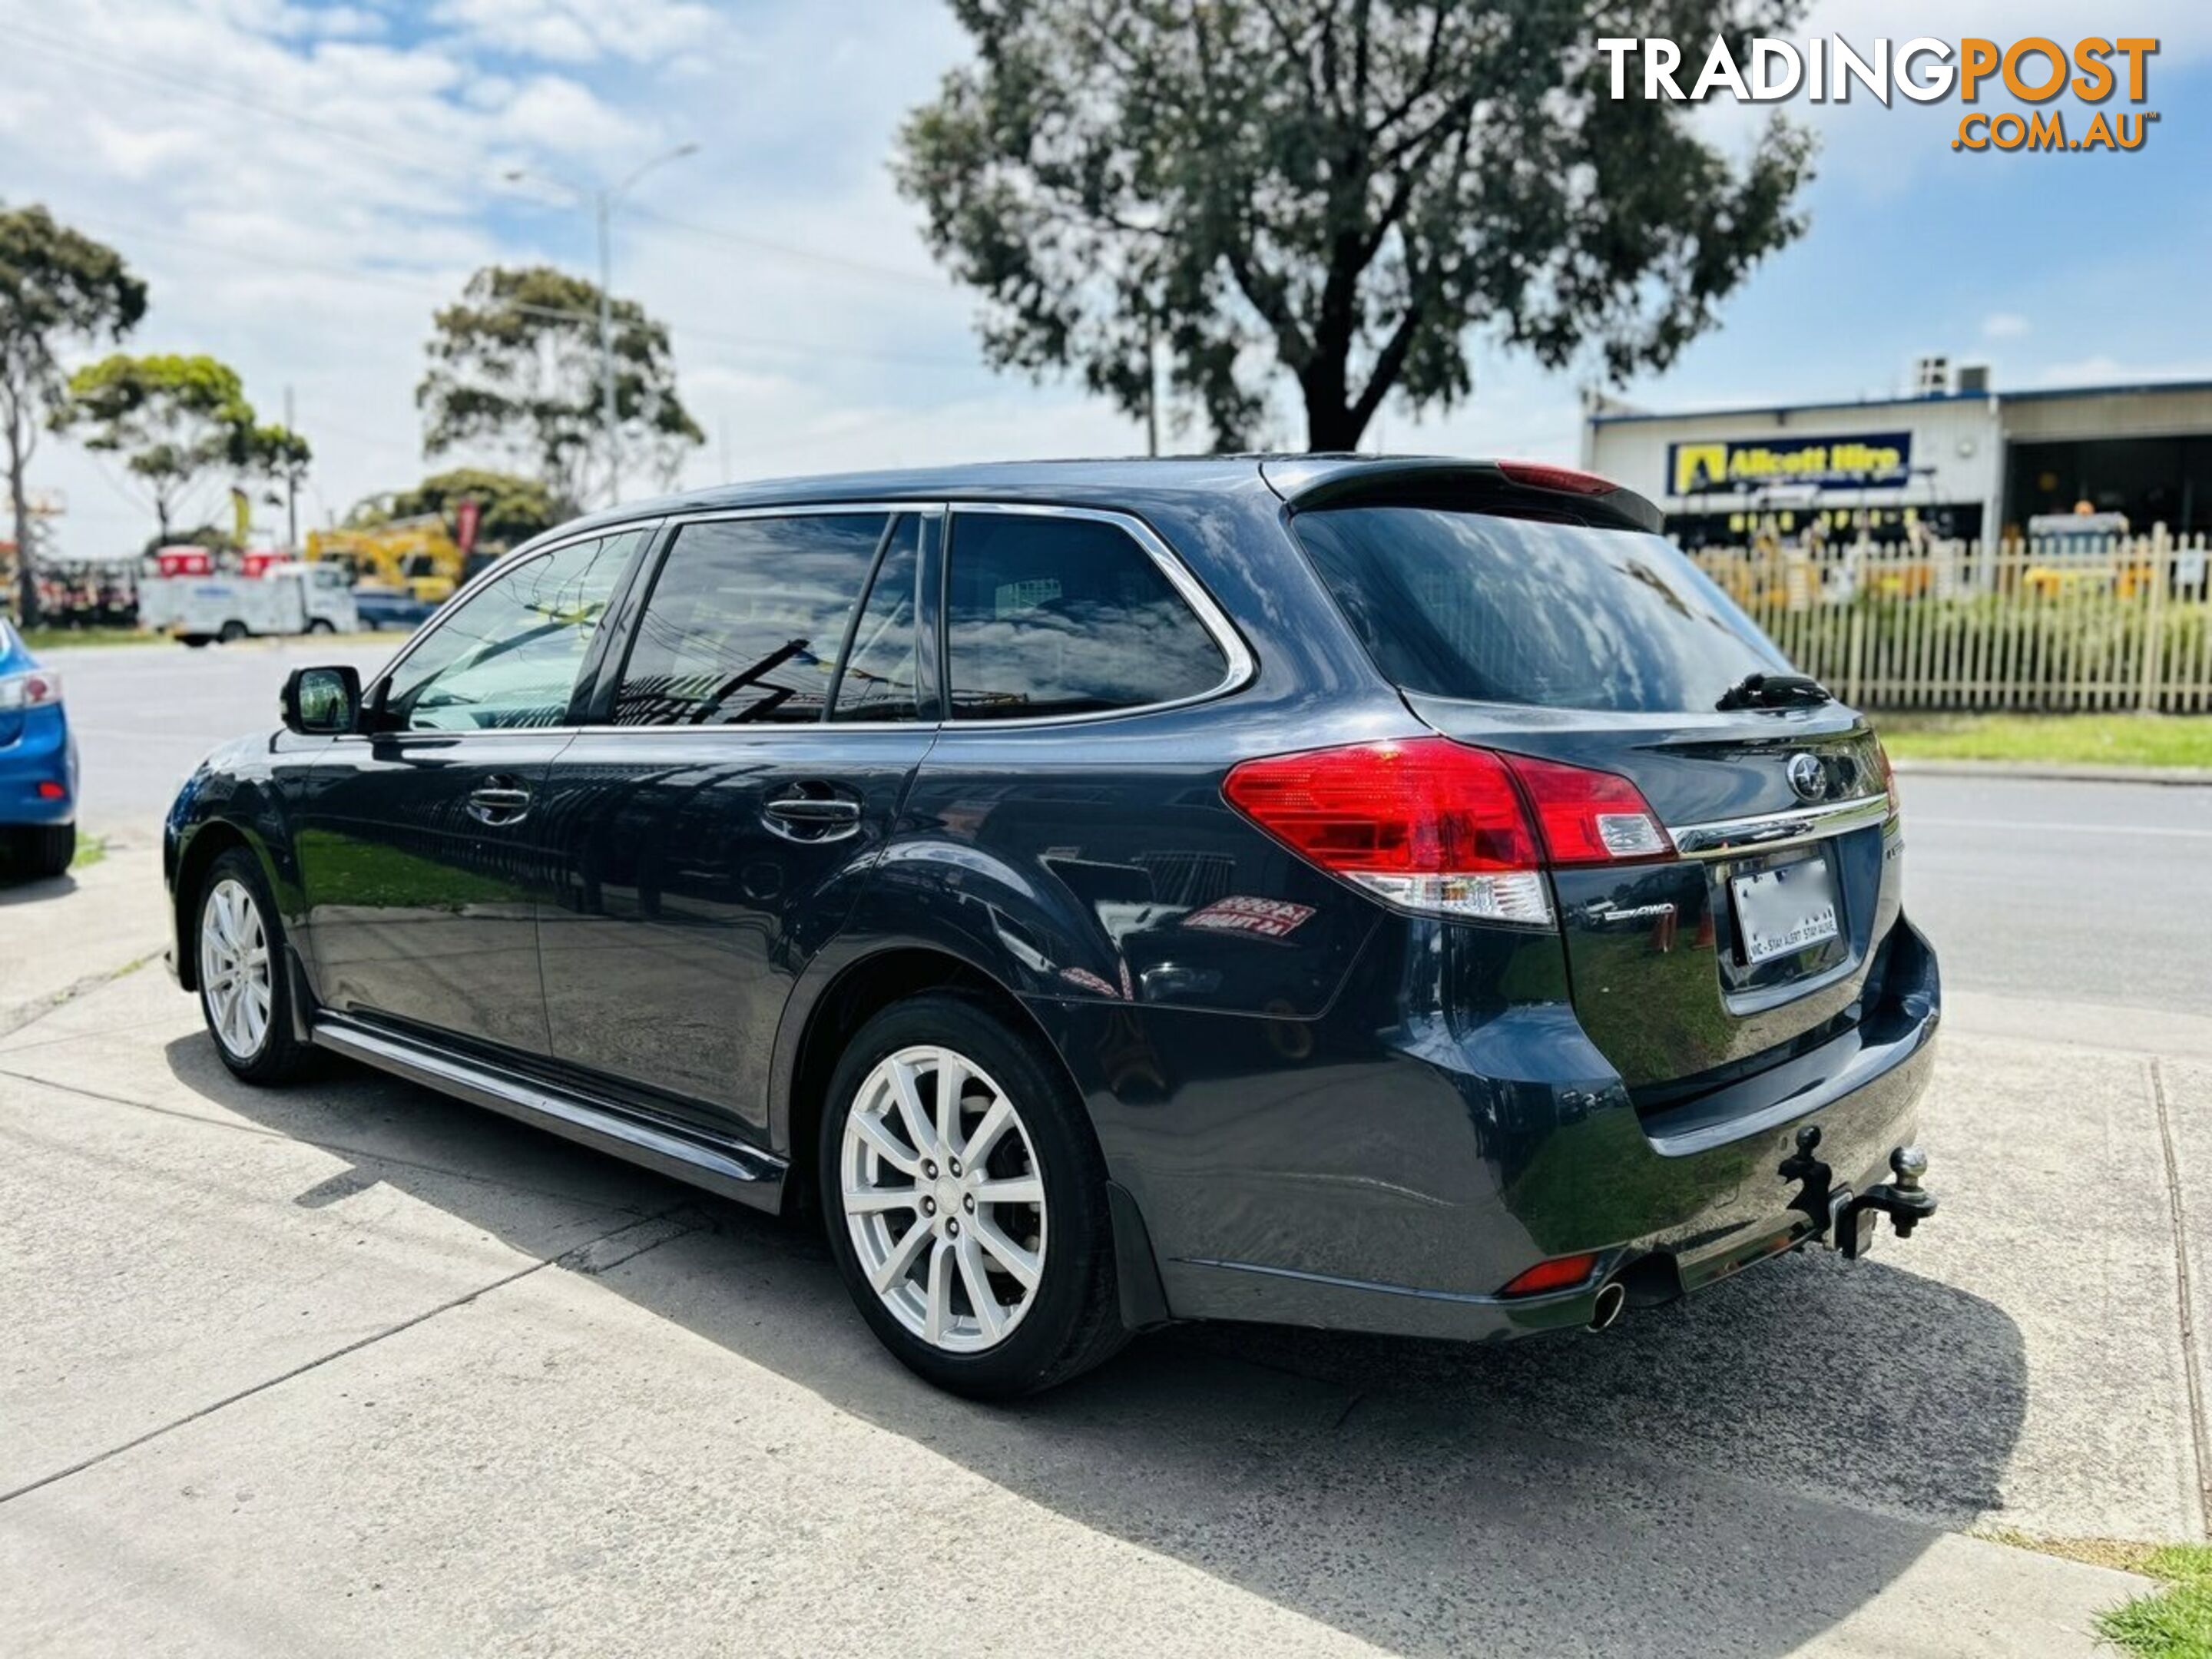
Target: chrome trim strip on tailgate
pixel 1772 830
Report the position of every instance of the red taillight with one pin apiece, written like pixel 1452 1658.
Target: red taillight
pixel 1433 825
pixel 1424 823
pixel 1888 778
pixel 1589 817
pixel 1561 1272
pixel 49 790
pixel 1542 475
pixel 31 690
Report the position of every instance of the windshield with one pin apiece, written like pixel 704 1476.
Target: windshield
pixel 1517 610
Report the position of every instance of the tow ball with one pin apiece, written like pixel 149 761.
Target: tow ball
pixel 1845 1218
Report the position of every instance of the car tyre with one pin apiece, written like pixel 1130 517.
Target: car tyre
pixel 877 1176
pixel 322 625
pixel 231 632
pixel 42 851
pixel 245 993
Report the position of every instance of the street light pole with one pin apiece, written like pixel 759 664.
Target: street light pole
pixel 604 200
pixel 607 415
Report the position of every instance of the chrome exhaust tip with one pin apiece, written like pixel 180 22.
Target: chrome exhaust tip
pixel 1612 1301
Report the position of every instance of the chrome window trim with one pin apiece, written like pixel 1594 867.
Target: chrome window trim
pixel 1241 665
pixel 1771 831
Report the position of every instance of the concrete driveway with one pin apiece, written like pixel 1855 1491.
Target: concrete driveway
pixel 352 1368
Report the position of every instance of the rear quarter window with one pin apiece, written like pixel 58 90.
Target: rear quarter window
pixel 1518 611
pixel 1050 615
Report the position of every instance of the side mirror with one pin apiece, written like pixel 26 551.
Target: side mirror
pixel 318 702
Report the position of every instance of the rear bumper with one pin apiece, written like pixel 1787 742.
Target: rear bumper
pixel 1395 1187
pixel 41 753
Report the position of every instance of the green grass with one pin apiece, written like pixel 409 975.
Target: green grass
pixel 2093 739
pixel 90 849
pixel 2176 1623
pixel 49 639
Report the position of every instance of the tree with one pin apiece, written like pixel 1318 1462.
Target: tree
pixel 517 364
pixel 55 286
pixel 514 508
pixel 178 421
pixel 1346 189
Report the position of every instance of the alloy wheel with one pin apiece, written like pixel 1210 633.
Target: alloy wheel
pixel 944 1199
pixel 235 968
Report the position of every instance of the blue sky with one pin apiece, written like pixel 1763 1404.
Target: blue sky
pixel 302 183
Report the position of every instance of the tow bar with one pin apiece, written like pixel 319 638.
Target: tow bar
pixel 1845 1218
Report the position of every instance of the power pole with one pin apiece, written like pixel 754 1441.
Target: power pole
pixel 1152 388
pixel 291 484
pixel 603 199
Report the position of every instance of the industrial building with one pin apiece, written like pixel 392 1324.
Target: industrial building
pixel 1955 458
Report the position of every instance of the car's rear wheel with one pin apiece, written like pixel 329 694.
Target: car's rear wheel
pixel 231 632
pixel 965 1200
pixel 40 851
pixel 246 995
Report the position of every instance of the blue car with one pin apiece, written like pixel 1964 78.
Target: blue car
pixel 380 608
pixel 38 765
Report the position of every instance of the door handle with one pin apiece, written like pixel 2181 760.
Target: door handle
pixel 816 812
pixel 498 801
pixel 810 813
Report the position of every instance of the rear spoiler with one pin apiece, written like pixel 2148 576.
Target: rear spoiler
pixel 1517 489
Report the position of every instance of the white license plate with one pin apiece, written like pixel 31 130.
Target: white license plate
pixel 1785 909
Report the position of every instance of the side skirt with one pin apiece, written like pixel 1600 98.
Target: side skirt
pixel 738 1172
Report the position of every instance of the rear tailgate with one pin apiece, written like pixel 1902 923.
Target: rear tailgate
pixel 1669 980
pixel 1521 623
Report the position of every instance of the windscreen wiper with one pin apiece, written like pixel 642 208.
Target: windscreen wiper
pixel 1775 691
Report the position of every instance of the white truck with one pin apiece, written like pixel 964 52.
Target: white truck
pixel 284 599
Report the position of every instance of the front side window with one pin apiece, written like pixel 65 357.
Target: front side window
pixel 746 619
pixel 507 656
pixel 1050 615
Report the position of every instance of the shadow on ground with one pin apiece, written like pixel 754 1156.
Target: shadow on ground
pixel 16 888
pixel 1735 1475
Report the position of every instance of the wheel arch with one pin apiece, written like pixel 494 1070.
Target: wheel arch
pixel 208 843
pixel 845 997
pixel 834 1002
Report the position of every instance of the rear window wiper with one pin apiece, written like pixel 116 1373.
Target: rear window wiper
pixel 1775 691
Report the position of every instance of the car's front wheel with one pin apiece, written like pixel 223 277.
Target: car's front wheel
pixel 246 996
pixel 965 1198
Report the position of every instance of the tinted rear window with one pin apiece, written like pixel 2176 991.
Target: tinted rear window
pixel 1052 615
pixel 1515 611
pixel 746 619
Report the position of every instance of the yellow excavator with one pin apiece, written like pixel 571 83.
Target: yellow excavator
pixel 416 556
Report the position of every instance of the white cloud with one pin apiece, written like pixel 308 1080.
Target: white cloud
pixel 553 112
pixel 581 31
pixel 2004 326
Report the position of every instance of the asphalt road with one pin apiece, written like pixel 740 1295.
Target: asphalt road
pixel 2085 892
pixel 2089 892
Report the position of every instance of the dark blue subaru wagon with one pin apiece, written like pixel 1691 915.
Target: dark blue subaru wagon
pixel 1397 895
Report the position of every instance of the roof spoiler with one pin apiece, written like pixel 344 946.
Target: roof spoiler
pixel 1522 489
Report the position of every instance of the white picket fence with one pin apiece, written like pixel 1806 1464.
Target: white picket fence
pixel 2075 625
